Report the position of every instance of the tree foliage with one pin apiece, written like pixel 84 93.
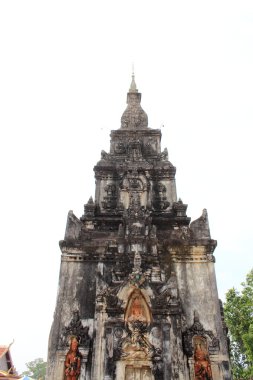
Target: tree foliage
pixel 238 311
pixel 36 369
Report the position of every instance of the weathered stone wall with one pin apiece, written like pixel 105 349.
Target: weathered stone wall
pixel 77 291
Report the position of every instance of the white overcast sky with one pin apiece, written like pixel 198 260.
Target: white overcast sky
pixel 65 69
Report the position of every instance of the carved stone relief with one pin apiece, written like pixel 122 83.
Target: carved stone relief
pixel 166 294
pixel 120 148
pixel 137 308
pixel 75 328
pixel 136 344
pixel 134 183
pixel 197 329
pixel 108 296
pixel 138 373
pixel 160 201
pixel 110 200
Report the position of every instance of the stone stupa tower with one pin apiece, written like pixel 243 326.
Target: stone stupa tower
pixel 137 294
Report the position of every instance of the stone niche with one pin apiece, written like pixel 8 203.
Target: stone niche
pixel 136 349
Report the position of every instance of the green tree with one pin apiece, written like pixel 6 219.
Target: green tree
pixel 238 311
pixel 36 369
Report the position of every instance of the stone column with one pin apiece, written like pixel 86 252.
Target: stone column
pixel 85 353
pixel 99 343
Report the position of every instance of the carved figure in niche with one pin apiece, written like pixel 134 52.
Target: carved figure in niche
pixel 137 262
pixel 120 148
pixel 137 308
pixel 137 318
pixel 150 147
pixel 110 189
pixel 73 361
pixel 202 366
pixel 197 331
pixel 136 344
pixel 134 150
pixel 111 197
pixel 160 199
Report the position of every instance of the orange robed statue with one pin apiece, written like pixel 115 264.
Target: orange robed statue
pixel 202 365
pixel 73 361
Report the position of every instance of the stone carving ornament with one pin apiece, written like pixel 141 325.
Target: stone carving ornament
pixel 133 181
pixel 120 148
pixel 166 294
pixel 197 329
pixel 75 328
pixel 136 344
pixel 110 200
pixel 160 199
pixel 108 294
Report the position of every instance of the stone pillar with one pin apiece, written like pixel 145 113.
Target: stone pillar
pixel 99 343
pixel 172 191
pixel 166 350
pixel 58 373
pixel 85 353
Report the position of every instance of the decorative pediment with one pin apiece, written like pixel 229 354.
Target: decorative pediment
pixel 197 330
pixel 166 295
pixel 136 345
pixel 137 308
pixel 75 328
pixel 109 296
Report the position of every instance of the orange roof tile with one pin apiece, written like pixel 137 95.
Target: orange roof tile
pixel 3 350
